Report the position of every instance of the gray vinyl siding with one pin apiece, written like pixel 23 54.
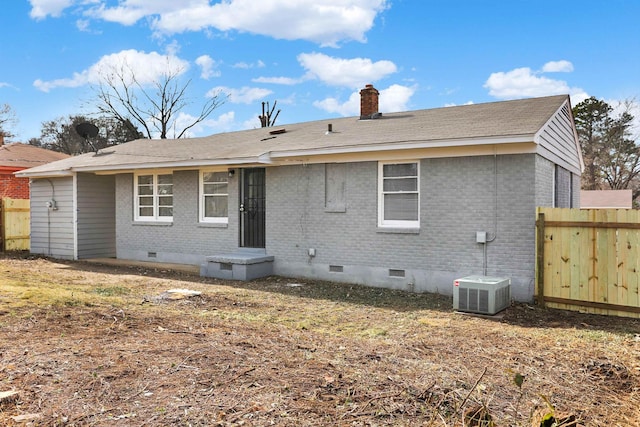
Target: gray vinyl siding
pixel 96 216
pixel 52 231
pixel 557 141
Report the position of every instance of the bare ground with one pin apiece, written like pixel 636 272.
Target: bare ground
pixel 92 345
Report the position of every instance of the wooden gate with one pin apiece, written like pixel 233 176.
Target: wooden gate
pixel 589 260
pixel 14 224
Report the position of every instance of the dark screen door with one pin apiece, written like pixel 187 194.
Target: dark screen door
pixel 252 208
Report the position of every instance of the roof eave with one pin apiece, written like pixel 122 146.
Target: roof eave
pixel 404 145
pixel 44 174
pixel 263 159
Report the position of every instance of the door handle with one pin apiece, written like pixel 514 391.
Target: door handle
pixel 242 207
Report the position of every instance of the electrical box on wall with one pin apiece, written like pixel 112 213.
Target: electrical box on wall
pixel 481 237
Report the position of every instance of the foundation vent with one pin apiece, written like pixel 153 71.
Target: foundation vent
pixel 336 268
pixel 396 273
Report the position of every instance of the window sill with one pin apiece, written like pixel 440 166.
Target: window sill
pixel 335 210
pixel 397 230
pixel 213 225
pixel 154 223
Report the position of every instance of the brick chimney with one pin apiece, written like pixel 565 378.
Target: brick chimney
pixel 369 103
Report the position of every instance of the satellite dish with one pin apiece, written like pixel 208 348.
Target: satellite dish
pixel 88 130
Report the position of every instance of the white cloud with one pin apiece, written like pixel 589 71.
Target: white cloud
pixel 253 123
pixel 395 98
pixel 82 25
pixel 557 67
pixel 147 68
pixel 353 73
pixel 279 80
pixel 392 99
pixel 578 97
pixel 40 9
pixel 244 95
pixel 208 66
pixel 453 104
pixel 327 23
pixel 223 123
pixel 523 82
pixel 333 105
pixel 246 65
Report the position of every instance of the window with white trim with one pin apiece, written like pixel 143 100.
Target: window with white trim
pixel 399 194
pixel 154 197
pixel 214 197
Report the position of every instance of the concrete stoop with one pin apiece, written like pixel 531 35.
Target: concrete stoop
pixel 245 264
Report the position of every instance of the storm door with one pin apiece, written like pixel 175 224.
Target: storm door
pixel 252 208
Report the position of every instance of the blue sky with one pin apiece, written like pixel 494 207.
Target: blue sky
pixel 314 56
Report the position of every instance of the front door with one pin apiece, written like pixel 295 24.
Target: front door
pixel 252 208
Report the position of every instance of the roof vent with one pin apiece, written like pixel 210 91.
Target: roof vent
pixel 329 129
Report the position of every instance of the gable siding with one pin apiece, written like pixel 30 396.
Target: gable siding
pixel 96 216
pixel 52 231
pixel 557 141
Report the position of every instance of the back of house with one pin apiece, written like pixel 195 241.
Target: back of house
pixel 410 200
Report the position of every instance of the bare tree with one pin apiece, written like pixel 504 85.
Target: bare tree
pixel 61 134
pixel 7 119
pixel 265 118
pixel 609 147
pixel 153 107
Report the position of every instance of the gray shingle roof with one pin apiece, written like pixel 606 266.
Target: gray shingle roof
pixel 22 156
pixel 462 124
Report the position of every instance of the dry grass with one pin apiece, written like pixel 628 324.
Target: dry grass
pixel 93 345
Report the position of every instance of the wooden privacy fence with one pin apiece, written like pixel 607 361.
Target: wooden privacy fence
pixel 589 260
pixel 14 224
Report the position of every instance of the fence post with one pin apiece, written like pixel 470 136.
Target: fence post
pixel 540 258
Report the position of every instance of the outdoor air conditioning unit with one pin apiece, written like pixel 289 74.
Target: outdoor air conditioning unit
pixel 481 294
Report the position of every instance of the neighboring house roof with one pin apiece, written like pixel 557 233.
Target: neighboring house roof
pixel 606 199
pixel 525 121
pixel 17 156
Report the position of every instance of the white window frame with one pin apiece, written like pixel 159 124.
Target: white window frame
pixel 202 195
pixel 156 198
pixel 382 222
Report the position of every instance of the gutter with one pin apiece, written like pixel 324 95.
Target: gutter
pixel 44 174
pixel 404 145
pixel 128 167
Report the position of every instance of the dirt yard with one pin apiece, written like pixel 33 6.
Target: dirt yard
pixel 90 345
